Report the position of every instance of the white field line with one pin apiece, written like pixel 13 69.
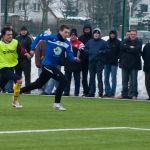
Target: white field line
pixel 73 129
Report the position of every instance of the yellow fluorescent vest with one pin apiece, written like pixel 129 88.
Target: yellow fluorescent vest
pixel 8 54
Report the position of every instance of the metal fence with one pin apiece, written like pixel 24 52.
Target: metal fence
pixel 37 15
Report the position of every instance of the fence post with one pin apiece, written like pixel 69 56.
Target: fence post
pixel 123 18
pixel 6 12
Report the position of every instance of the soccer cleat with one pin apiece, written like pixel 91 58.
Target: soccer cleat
pixel 16 104
pixel 58 107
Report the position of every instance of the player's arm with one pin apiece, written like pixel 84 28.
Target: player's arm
pixel 23 52
pixel 37 39
pixel 70 54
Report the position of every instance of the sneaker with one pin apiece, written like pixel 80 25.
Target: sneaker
pixel 123 97
pixel 100 95
pixel 106 95
pixel 90 95
pixel 16 104
pixel 58 107
pixel 134 98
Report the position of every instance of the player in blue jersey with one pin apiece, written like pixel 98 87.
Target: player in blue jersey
pixel 56 46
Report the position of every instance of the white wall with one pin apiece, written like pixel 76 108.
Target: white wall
pixel 36 16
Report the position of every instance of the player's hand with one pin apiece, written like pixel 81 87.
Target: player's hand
pixel 28 55
pixel 132 46
pixel 31 53
pixel 77 59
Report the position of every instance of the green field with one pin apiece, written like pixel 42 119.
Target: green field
pixel 38 114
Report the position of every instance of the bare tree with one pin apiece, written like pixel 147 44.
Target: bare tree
pixel 45 8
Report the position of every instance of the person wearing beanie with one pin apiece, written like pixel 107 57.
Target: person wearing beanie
pixel 111 64
pixel 74 67
pixel 84 38
pixel 97 50
pixel 24 64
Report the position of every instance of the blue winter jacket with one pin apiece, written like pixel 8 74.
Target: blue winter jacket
pixel 96 49
pixel 55 49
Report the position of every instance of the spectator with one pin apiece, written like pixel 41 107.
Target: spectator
pixel 73 67
pixel 127 34
pixel 24 64
pixel 50 87
pixel 130 63
pixel 111 64
pixel 97 49
pixel 129 84
pixel 146 68
pixel 87 35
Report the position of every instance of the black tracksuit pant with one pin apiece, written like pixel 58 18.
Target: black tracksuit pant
pixel 96 68
pixel 147 83
pixel 24 65
pixel 47 73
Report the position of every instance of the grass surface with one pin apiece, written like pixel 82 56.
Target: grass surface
pixel 81 113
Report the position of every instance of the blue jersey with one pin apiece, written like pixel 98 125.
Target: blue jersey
pixel 54 49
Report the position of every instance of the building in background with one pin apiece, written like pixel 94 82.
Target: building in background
pixel 141 13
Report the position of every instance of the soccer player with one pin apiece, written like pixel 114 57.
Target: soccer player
pixel 9 51
pixel 56 46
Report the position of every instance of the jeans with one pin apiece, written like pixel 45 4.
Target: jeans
pixel 50 86
pixel 125 82
pixel 76 75
pixel 9 87
pixel 110 70
pixel 96 68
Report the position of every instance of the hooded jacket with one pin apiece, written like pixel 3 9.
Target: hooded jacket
pixel 84 39
pixel 114 45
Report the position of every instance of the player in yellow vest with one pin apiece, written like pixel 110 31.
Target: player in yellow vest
pixel 9 51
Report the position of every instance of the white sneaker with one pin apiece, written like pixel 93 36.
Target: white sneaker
pixel 58 107
pixel 16 104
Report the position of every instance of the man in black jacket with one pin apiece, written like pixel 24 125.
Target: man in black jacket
pixel 146 58
pixel 87 35
pixel 24 64
pixel 130 62
pixel 111 64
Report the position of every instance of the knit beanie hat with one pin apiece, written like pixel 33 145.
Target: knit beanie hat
pixel 73 31
pixel 97 30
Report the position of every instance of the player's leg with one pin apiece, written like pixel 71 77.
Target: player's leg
pixel 43 78
pixel 62 82
pixel 6 75
pixel 17 87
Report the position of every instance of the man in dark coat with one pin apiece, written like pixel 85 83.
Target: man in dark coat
pixel 146 68
pixel 130 63
pixel 111 64
pixel 87 35
pixel 24 64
